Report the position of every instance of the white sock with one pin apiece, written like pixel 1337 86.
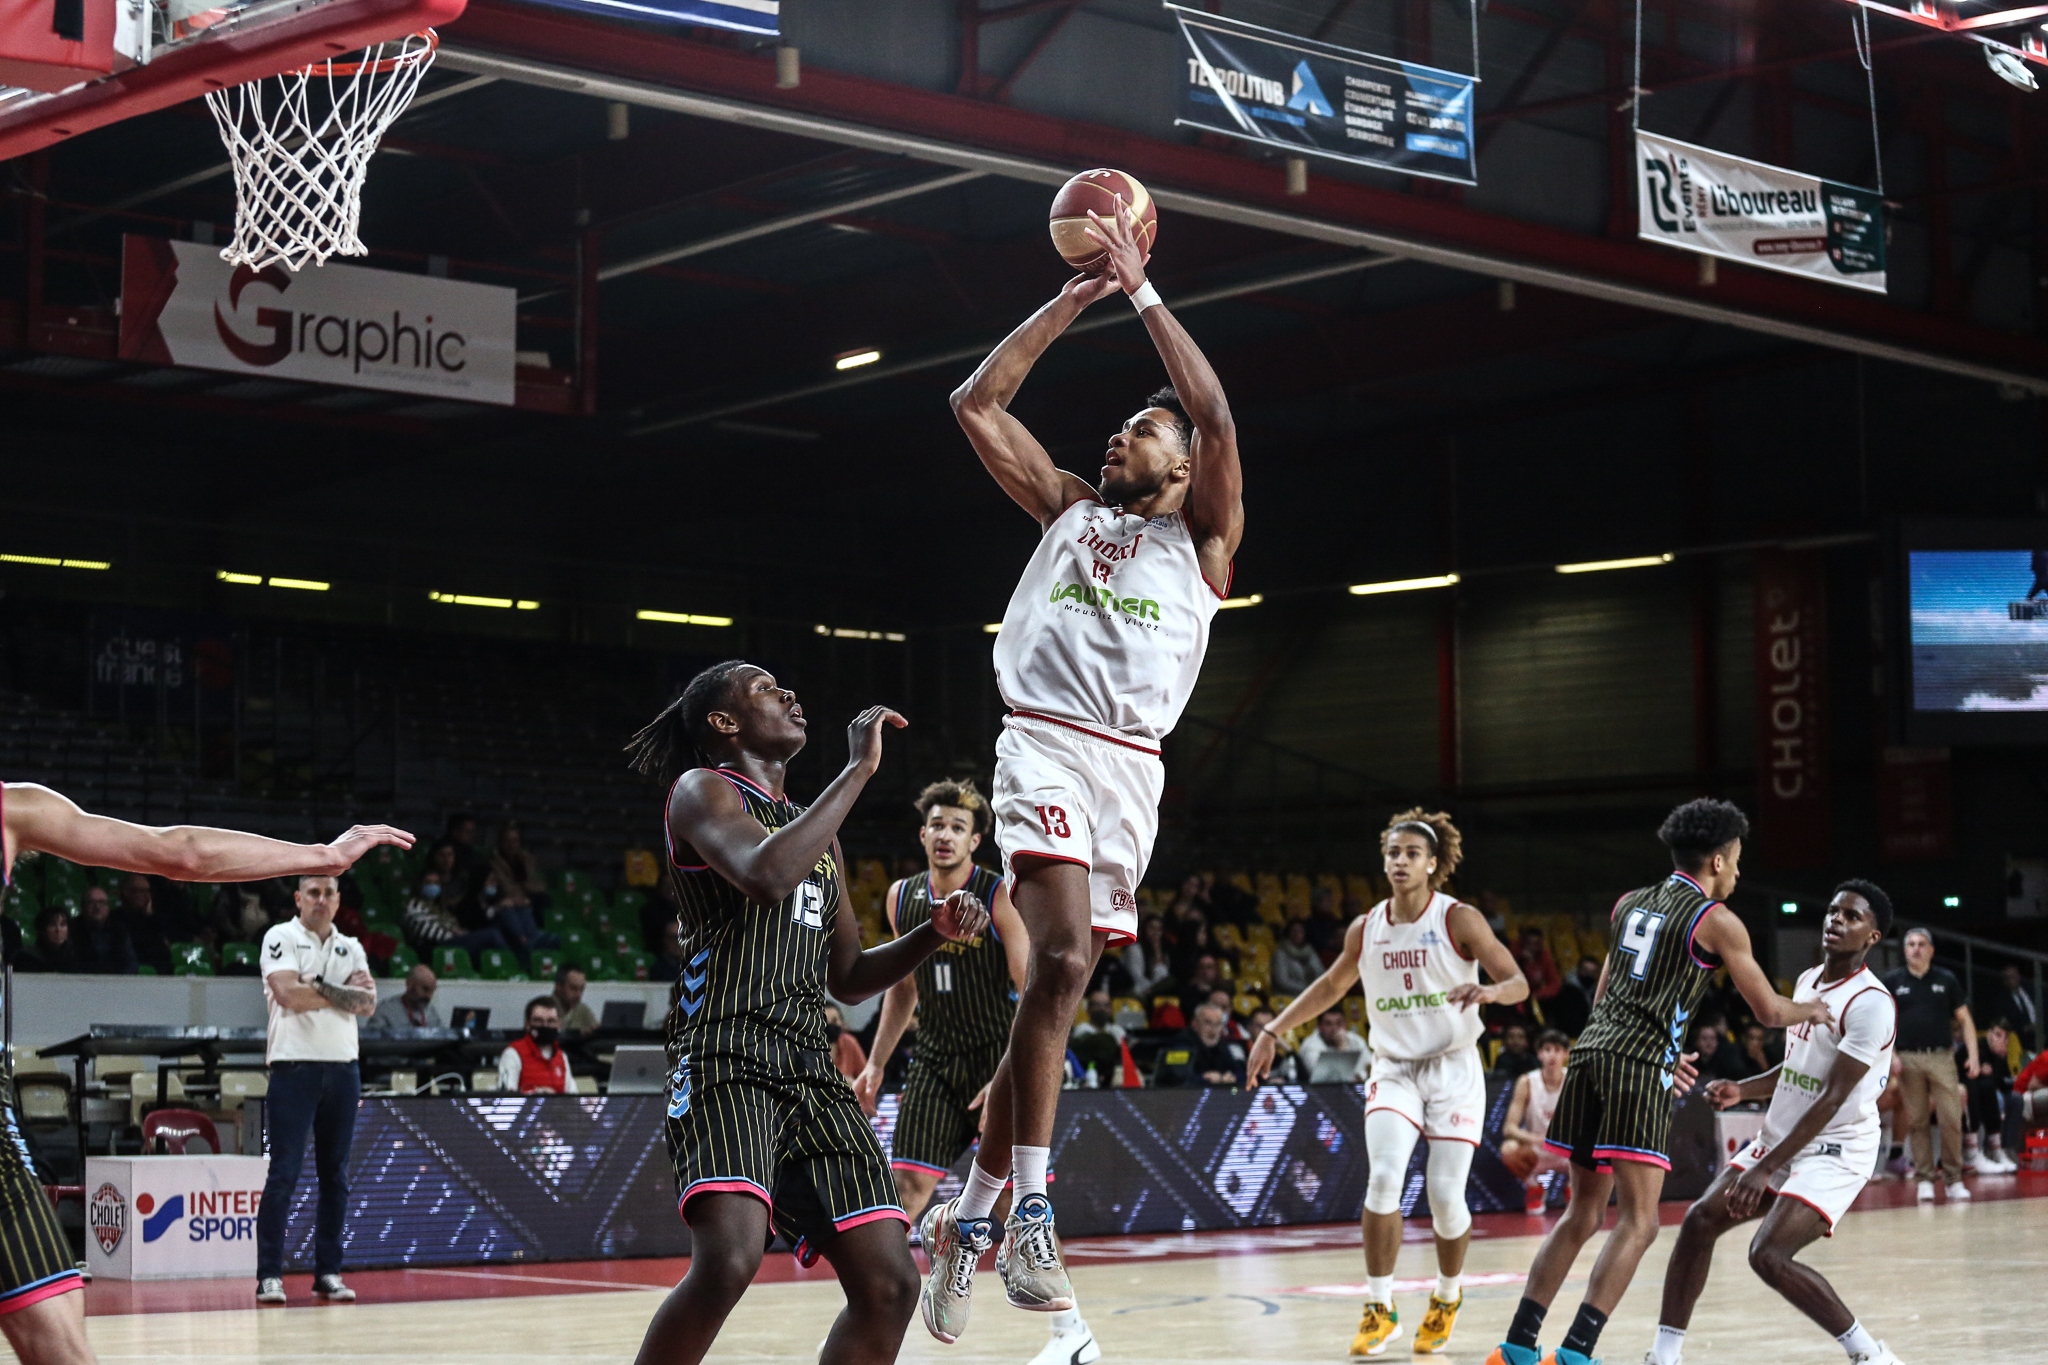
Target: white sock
pixel 978 1200
pixel 1027 1170
pixel 1857 1341
pixel 1068 1323
pixel 1448 1287
pixel 1670 1341
pixel 1380 1289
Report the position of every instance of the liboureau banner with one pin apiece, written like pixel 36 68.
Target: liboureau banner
pixel 1721 205
pixel 181 304
pixel 1305 96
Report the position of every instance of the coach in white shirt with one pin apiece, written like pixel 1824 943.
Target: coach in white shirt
pixel 316 982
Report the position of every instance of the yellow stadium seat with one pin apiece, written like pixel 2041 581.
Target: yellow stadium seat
pixel 1225 936
pixel 1276 1003
pixel 1354 1010
pixel 1260 935
pixel 1129 1010
pixel 1244 1003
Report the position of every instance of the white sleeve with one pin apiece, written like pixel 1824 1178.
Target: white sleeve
pixel 508 1071
pixel 568 1078
pixel 1868 1027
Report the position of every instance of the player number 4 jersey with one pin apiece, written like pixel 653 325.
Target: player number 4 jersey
pixel 1865 1027
pixel 1407 971
pixel 1109 623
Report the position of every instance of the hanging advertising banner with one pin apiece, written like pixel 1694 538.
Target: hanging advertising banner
pixel 1791 703
pixel 744 16
pixel 1765 216
pixel 181 304
pixel 1323 100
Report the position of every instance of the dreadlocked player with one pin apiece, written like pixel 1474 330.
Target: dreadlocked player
pixel 1418 955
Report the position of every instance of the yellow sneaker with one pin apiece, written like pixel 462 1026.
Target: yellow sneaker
pixel 1435 1332
pixel 1379 1326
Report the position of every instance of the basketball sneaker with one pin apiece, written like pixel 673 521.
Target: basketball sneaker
pixel 1507 1353
pixel 1925 1192
pixel 270 1290
pixel 1379 1326
pixel 955 1246
pixel 330 1288
pixel 1033 1274
pixel 1075 1347
pixel 1958 1191
pixel 1883 1356
pixel 1561 1356
pixel 1435 1332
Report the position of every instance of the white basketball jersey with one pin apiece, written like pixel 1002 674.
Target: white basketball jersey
pixel 1865 1027
pixel 1542 1103
pixel 1406 970
pixel 1109 623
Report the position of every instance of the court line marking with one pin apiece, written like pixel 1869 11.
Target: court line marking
pixel 1415 1286
pixel 535 1279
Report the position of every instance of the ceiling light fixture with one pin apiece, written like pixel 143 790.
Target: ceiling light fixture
pixel 1601 565
pixel 302 584
pixel 458 599
pixel 853 360
pixel 52 562
pixel 992 628
pixel 847 633
pixel 1442 580
pixel 681 618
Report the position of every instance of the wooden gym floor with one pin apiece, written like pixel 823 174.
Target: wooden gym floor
pixel 1939 1283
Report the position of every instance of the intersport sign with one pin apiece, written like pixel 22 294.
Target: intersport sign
pixel 336 324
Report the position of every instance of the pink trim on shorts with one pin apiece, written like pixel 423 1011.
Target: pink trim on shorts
pixel 1612 1154
pixel 63 1283
pixel 854 1220
pixel 904 1163
pixel 1092 734
pixel 737 1184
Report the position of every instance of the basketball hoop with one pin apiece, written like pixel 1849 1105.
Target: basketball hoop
pixel 301 143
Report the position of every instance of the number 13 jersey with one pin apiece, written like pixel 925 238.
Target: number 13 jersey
pixel 1407 970
pixel 1656 974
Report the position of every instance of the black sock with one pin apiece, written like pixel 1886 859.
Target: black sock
pixel 1528 1322
pixel 1585 1333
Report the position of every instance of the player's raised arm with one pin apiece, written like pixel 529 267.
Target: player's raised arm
pixel 50 822
pixel 1722 933
pixel 982 405
pixel 1215 504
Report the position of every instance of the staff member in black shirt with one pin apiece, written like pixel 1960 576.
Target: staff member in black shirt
pixel 1931 1004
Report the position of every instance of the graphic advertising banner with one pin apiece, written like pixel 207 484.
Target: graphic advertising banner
pixel 746 16
pixel 1721 205
pixel 1316 98
pixel 181 304
pixel 173 1217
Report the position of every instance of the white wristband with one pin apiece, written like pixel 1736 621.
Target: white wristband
pixel 1146 297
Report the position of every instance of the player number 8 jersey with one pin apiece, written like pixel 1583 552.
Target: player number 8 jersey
pixel 1408 971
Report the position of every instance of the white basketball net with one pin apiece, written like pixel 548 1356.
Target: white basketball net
pixel 301 145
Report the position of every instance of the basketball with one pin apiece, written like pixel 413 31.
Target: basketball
pixel 1098 190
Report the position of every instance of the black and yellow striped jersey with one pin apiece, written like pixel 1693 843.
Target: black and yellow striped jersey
pixel 753 978
pixel 965 999
pixel 1656 975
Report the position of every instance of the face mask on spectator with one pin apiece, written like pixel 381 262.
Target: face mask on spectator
pixel 544 1035
pixel 432 890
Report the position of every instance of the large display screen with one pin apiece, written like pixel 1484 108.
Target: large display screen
pixel 1976 628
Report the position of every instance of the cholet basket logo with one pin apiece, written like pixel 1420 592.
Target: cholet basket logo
pixel 107 1215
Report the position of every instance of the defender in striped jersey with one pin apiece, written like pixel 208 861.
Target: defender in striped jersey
pixel 1614 1114
pixel 1819 1139
pixel 42 1320
pixel 763 1130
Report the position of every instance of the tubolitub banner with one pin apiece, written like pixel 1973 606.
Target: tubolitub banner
pixel 1765 216
pixel 1307 96
pixel 181 304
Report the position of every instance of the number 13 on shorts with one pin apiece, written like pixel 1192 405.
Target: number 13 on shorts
pixel 1054 820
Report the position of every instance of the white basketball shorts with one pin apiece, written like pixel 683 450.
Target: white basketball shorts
pixel 1080 797
pixel 1826 1177
pixel 1444 1096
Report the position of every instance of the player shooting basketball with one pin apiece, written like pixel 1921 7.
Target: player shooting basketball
pixel 1098 652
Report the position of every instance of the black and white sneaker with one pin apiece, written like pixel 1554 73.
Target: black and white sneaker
pixel 270 1290
pixel 330 1288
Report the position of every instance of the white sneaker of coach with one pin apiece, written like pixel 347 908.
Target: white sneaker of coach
pixel 1958 1191
pixel 1925 1192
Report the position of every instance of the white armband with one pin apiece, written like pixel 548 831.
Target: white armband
pixel 1146 297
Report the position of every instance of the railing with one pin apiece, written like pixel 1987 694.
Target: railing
pixel 1972 945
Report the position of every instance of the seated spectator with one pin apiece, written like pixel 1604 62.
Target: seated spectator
pixel 1145 959
pixel 1574 1004
pixel 461 893
pixel 154 921
pixel 668 963
pixel 1522 1149
pixel 1532 955
pixel 1191 901
pixel 53 950
pixel 1296 963
pixel 1333 1036
pixel 1715 1059
pixel 1192 942
pixel 518 872
pixel 1992 1107
pixel 413 1007
pixel 430 924
pixel 1201 1055
pixel 512 916
pixel 103 945
pixel 1203 978
pixel 847 1054
pixel 535 1063
pixel 1761 1049
pixel 1099 1042
pixel 1222 999
pixel 577 1017
pixel 1514 1056
pixel 1286 1069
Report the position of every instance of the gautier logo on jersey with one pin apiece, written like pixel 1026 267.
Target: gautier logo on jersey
pixel 1421 1000
pixel 207 1215
pixel 1799 1080
pixel 1142 608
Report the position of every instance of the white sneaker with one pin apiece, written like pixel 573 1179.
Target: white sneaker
pixel 954 1246
pixel 1069 1348
pixel 1958 1191
pixel 270 1290
pixel 1883 1356
pixel 2006 1165
pixel 1034 1274
pixel 330 1288
pixel 1925 1193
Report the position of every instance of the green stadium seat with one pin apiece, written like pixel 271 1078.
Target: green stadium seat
pixel 454 963
pixel 238 955
pixel 199 967
pixel 495 964
pixel 629 901
pixel 191 959
pixel 636 965
pixel 599 967
pixel 546 963
pixel 561 919
pixel 145 970
pixel 403 960
pixel 576 947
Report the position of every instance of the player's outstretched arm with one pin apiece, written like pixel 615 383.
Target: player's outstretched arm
pixel 1722 933
pixel 898 1005
pixel 45 821
pixel 853 975
pixel 982 405
pixel 707 815
pixel 1323 992
pixel 1215 502
pixel 1475 939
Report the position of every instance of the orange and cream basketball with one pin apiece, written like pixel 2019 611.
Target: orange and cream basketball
pixel 1098 190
